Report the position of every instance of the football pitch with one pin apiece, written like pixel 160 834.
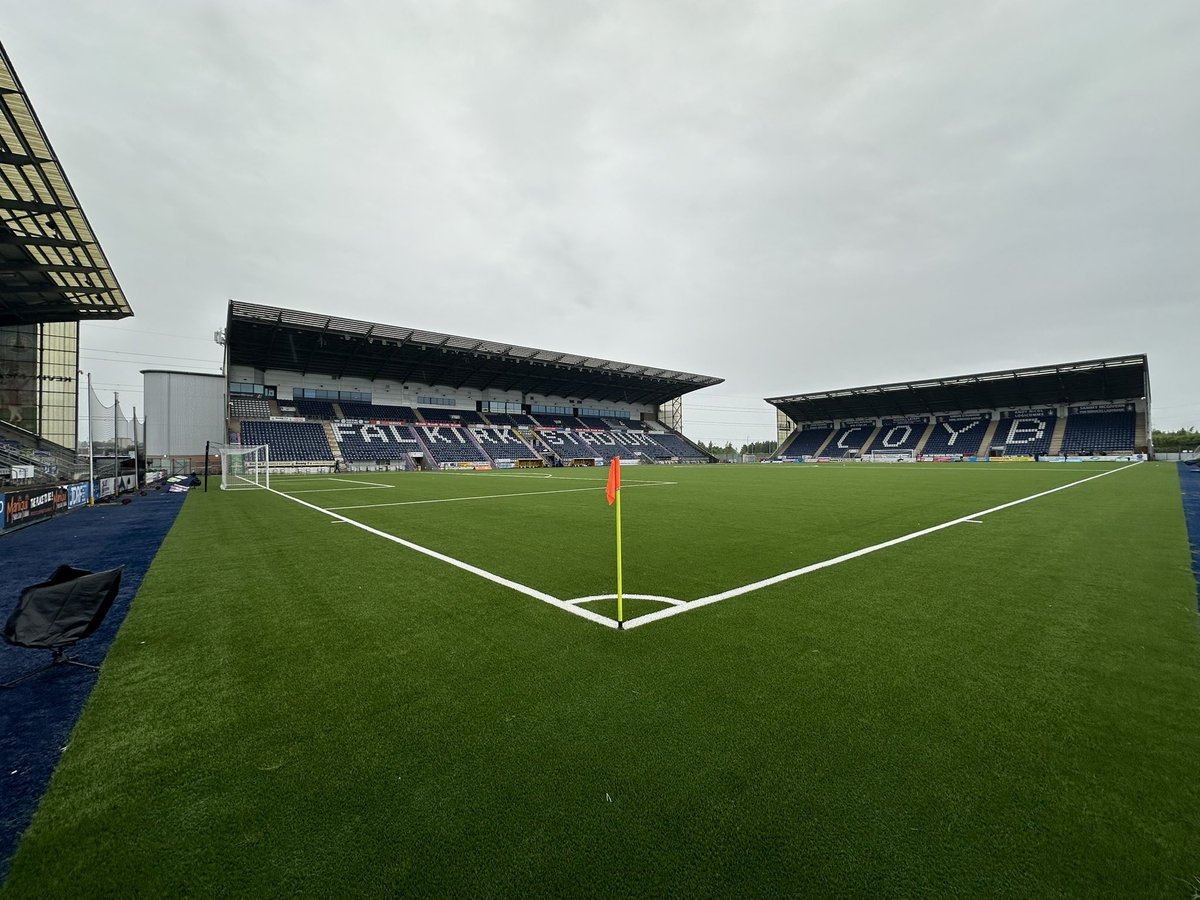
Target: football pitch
pixel 837 679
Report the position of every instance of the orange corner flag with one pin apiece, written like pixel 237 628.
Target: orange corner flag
pixel 614 479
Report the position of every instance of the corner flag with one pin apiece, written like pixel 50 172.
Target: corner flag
pixel 614 496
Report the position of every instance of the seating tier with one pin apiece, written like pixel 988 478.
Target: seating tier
pixel 289 441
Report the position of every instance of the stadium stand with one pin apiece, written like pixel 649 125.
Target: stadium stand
pixel 956 437
pixel 805 442
pixel 289 441
pixel 676 447
pixel 564 444
pixel 558 421
pixel 355 409
pixel 1024 435
pixel 450 444
pixel 849 441
pixel 249 408
pixel 897 436
pixel 375 443
pixel 605 445
pixel 517 421
pixel 442 414
pixel 314 409
pixel 1106 432
pixel 501 443
pixel 601 424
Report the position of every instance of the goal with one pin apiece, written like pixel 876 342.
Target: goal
pixel 891 456
pixel 245 468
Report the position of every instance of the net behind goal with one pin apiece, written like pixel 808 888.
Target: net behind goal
pixel 245 468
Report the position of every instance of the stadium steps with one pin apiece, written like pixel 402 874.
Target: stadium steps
pixel 1056 439
pixel 866 448
pixel 478 444
pixel 695 446
pixel 820 451
pixel 334 446
pixel 917 450
pixel 787 442
pixel 985 445
pixel 1141 441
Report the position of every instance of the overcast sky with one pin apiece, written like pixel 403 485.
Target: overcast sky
pixel 791 196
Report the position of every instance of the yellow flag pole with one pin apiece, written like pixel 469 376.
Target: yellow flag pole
pixel 620 596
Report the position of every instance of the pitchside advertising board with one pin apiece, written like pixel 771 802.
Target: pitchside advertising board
pixel 24 507
pixel 27 506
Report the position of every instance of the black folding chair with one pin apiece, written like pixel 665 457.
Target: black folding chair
pixel 58 613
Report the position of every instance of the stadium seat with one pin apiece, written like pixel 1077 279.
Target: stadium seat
pixel 848 441
pixel 289 441
pixel 956 437
pixel 377 411
pixel 1027 435
pixel 249 408
pixel 805 442
pixel 1097 433
pixel 314 409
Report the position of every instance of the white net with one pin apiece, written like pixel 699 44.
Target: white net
pixel 110 430
pixel 245 468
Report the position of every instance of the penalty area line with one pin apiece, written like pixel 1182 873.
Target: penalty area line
pixel 459 564
pixel 854 554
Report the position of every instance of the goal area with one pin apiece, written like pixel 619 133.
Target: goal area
pixel 245 468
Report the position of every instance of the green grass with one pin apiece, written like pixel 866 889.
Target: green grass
pixel 296 706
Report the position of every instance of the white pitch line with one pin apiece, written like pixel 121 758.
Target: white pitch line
pixel 624 478
pixel 845 557
pixel 659 598
pixel 458 563
pixel 356 481
pixel 344 490
pixel 488 496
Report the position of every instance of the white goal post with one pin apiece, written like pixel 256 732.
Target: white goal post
pixel 245 468
pixel 891 456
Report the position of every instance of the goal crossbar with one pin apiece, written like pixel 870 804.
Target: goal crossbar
pixel 245 468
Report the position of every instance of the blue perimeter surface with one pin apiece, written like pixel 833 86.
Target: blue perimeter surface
pixel 1189 484
pixel 37 716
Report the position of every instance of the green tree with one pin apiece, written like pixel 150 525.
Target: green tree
pixel 1176 441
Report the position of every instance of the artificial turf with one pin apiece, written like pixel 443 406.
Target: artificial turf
pixel 296 706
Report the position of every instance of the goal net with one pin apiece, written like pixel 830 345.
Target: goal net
pixel 891 456
pixel 245 468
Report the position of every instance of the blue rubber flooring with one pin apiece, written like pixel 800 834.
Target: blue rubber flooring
pixel 37 716
pixel 1189 484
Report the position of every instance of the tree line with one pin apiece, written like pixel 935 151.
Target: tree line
pixel 758 448
pixel 1176 441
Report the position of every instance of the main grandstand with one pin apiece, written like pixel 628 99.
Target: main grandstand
pixel 1096 409
pixel 327 393
pixel 53 275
